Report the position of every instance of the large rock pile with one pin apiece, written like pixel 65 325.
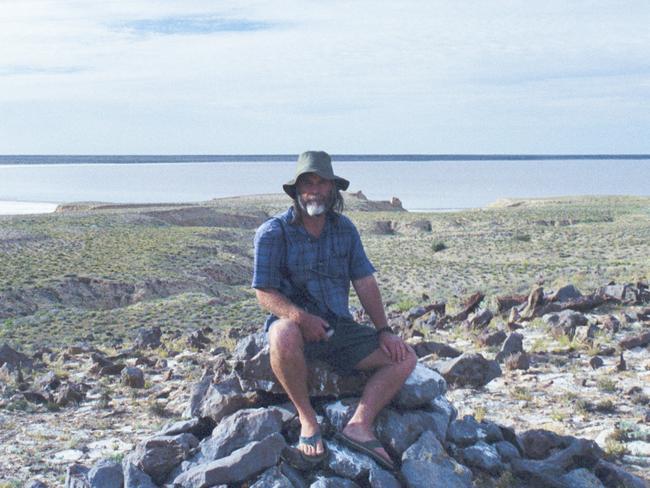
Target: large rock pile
pixel 240 427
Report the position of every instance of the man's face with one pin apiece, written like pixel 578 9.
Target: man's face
pixel 314 194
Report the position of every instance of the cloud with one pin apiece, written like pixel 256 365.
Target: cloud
pixel 191 25
pixel 22 70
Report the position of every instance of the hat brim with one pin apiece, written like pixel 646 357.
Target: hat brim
pixel 290 186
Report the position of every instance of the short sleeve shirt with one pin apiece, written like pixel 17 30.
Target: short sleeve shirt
pixel 314 273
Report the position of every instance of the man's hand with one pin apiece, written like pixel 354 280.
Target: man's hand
pixel 313 328
pixel 394 346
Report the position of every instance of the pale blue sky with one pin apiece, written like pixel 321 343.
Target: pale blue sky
pixel 228 77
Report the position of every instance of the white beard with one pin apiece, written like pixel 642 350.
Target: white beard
pixel 314 209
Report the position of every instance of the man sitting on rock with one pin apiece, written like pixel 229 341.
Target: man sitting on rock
pixel 305 259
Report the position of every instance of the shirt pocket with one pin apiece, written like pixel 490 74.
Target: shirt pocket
pixel 338 266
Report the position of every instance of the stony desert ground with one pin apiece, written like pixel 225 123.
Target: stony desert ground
pixel 77 285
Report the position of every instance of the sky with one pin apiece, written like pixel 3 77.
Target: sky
pixel 346 76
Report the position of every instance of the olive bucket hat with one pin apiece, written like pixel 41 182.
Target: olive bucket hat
pixel 318 162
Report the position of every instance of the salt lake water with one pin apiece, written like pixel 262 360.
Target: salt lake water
pixel 421 182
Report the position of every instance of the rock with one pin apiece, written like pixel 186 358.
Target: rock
pixel 420 388
pixel 398 430
pixel 441 350
pixel 565 319
pixel 488 338
pixel 416 312
pixel 238 466
pixel 148 338
pixel 199 428
pixel 581 478
pixel 507 451
pixel 249 346
pixel 469 306
pixel 512 345
pixel 14 359
pixel 348 463
pixel 379 478
pixel 596 362
pixel 158 456
pixel 479 320
pixel 520 360
pixel 622 293
pixel 133 377
pixel 220 400
pixel 468 370
pixel 76 476
pixel 426 464
pixel 272 478
pixel 638 340
pixel 67 394
pixel 34 397
pixel 564 294
pixel 106 474
pixel 538 443
pixel 256 375
pixel 48 382
pixel 135 477
pixel 464 432
pixel 483 456
pixel 238 430
pixel 293 475
pixel 198 340
pixel 586 334
pixel 614 476
pixel 35 484
pixel 341 411
pixel 611 323
pixel 333 482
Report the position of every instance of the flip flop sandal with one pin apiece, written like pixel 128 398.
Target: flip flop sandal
pixel 367 448
pixel 301 461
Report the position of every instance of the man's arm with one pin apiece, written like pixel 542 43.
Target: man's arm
pixel 313 327
pixel 370 297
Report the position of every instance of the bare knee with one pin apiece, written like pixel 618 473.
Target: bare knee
pixel 410 361
pixel 285 336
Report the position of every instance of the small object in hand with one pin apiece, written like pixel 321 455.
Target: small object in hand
pixel 329 330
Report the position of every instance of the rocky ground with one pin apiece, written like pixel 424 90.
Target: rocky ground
pixel 73 396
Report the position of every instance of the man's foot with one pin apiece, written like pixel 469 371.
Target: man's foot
pixel 362 439
pixel 311 442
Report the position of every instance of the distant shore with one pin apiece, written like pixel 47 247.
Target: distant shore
pixel 25 208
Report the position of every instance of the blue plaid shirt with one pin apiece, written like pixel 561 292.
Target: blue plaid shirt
pixel 314 273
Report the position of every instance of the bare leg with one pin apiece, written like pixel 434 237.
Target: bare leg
pixel 380 389
pixel 290 368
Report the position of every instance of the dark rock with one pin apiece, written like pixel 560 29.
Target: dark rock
pixel 520 360
pixel 340 412
pixel 348 463
pixel 398 430
pixel 489 338
pixel 293 475
pixel 48 382
pixel 198 340
pixel 35 397
pixel 492 432
pixel 468 370
pixel 158 456
pixel 441 350
pixel 272 478
pixel 379 478
pixel 14 359
pixel 238 430
pixel 133 377
pixel 426 464
pixel 483 456
pixel 199 428
pixel 510 436
pixel 581 478
pixel 613 476
pixel 611 323
pixel 566 293
pixel 464 432
pixel 135 477
pixel 111 369
pixel 512 345
pixel 35 484
pixel 565 318
pixel 470 305
pixel 220 400
pixel 479 320
pixel 538 443
pixel 621 293
pixel 67 394
pixel 596 362
pixel 76 476
pixel 638 340
pixel 256 375
pixel 237 467
pixel 415 312
pixel 533 304
pixel 507 451
pixel 333 482
pixel 106 474
pixel 586 334
pixel 505 303
pixel 148 338
pixel 249 346
pixel 420 388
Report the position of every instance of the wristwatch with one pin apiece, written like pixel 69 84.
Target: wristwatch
pixel 385 328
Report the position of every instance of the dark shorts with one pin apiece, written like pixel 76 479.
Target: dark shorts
pixel 350 343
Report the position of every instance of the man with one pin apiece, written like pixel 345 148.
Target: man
pixel 305 260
